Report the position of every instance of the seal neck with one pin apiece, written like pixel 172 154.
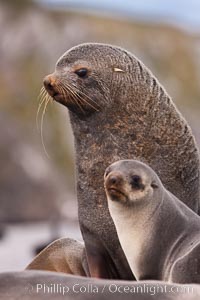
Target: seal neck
pixel 148 235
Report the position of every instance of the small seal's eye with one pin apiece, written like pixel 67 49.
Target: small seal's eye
pixel 82 72
pixel 136 182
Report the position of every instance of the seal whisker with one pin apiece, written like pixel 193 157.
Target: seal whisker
pixel 41 93
pixel 77 100
pixel 76 97
pixel 42 122
pixel 60 90
pixel 89 98
pixel 72 94
pixel 70 89
pixel 78 92
pixel 103 89
pixel 43 99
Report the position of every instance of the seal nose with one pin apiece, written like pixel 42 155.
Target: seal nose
pixel 49 84
pixel 114 179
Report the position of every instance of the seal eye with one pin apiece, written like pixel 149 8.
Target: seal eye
pixel 82 72
pixel 136 182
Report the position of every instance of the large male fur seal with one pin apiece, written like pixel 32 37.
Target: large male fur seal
pixel 118 110
pixel 159 234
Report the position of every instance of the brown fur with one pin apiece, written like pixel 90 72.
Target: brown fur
pixel 120 115
pixel 63 255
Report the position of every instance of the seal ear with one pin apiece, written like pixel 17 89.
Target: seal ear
pixel 154 185
pixel 118 70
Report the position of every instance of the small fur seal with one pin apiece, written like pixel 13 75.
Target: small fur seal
pixel 159 234
pixel 41 285
pixel 118 110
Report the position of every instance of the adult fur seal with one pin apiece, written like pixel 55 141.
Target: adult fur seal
pixel 159 234
pixel 118 110
pixel 40 285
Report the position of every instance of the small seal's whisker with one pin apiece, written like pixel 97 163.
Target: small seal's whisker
pixel 42 122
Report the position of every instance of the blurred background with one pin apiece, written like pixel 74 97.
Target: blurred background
pixel 37 192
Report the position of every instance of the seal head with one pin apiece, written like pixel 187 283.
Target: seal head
pixel 129 185
pixel 78 77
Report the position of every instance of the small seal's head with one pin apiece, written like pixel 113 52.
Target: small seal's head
pixel 130 182
pixel 87 76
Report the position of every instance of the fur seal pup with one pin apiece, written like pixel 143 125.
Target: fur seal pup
pixel 40 285
pixel 63 255
pixel 118 110
pixel 159 234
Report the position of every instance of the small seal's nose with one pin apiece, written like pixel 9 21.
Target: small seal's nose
pixel 114 179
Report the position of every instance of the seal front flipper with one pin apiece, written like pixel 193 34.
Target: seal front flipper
pixel 63 255
pixel 187 268
pixel 97 263
pixel 103 264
